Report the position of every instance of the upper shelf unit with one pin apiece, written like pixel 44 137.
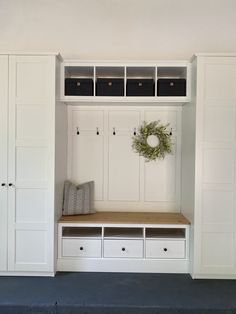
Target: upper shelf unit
pixel 162 82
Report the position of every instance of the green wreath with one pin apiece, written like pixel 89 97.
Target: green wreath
pixel 152 141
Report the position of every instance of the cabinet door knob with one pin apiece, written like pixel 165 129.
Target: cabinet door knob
pixel 3 184
pixel 165 249
pixel 123 249
pixel 10 184
pixel 81 248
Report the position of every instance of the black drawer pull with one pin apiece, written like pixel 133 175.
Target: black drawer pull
pixel 10 184
pixel 81 248
pixel 165 249
pixel 123 249
pixel 3 184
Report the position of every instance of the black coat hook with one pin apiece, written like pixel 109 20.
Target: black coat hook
pixel 170 131
pixel 77 131
pixel 114 131
pixel 97 131
pixel 135 131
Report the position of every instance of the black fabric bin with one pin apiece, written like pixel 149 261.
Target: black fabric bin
pixel 171 87
pixel 78 87
pixel 140 87
pixel 110 87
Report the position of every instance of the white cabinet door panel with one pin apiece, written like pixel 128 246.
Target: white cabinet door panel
pixel 31 205
pixel 220 81
pixel 218 165
pixel 3 160
pixel 123 169
pixel 218 252
pixel 29 122
pixel 31 162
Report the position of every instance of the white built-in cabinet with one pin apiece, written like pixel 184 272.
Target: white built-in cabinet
pixel 209 166
pixel 27 164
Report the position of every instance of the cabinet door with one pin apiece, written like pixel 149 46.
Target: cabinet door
pixel 215 231
pixel 3 160
pixel 31 163
pixel 124 163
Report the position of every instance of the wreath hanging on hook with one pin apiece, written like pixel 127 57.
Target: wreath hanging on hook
pixel 152 141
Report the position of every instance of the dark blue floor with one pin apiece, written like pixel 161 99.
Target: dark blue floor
pixel 116 293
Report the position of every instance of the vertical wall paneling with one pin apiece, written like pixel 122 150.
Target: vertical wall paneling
pixel 123 180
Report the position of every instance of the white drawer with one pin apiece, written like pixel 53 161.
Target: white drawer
pixel 123 248
pixel 165 248
pixel 81 248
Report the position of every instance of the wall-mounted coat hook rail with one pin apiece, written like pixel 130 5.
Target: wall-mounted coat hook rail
pixel 114 131
pixel 77 131
pixel 97 131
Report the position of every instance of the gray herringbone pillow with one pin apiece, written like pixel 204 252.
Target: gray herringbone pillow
pixel 78 199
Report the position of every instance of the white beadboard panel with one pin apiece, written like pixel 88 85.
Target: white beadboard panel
pixel 87 120
pixel 32 83
pixel 165 117
pixel 31 164
pixel 218 207
pixel 160 179
pixel 124 120
pixel 220 82
pixel 214 118
pixel 32 122
pixel 31 205
pixel 123 182
pixel 218 165
pixel 218 249
pixel 31 247
pixel 87 161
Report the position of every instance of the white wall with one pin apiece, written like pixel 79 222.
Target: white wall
pixel 119 29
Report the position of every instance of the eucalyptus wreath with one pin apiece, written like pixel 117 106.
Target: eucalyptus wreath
pixel 140 141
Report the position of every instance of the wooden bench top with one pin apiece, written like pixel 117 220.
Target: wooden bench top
pixel 128 218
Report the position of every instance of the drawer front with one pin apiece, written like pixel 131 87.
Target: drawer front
pixel 165 249
pixel 81 248
pixel 123 248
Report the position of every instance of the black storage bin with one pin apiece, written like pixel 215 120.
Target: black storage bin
pixel 171 87
pixel 78 87
pixel 110 87
pixel 142 87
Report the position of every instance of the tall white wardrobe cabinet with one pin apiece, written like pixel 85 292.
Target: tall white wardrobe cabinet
pixel 32 162
pixel 209 166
